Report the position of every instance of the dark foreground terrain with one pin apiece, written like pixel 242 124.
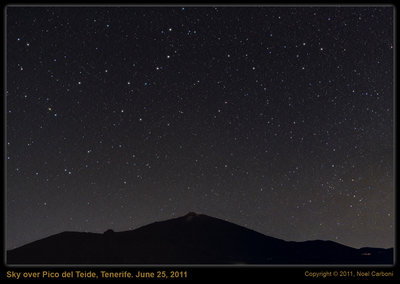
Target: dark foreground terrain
pixel 191 239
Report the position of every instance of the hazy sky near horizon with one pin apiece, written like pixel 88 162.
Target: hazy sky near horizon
pixel 279 119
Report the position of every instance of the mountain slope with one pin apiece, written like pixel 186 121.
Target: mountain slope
pixel 191 239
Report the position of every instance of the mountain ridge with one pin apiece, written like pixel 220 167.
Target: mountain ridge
pixel 190 239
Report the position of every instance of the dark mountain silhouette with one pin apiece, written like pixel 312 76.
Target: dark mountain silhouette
pixel 191 239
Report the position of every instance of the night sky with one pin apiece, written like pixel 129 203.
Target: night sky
pixel 279 119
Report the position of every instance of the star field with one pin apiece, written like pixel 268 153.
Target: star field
pixel 279 119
